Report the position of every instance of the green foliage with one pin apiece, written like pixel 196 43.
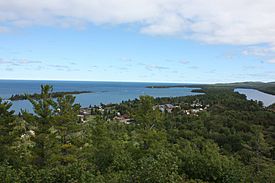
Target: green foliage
pixel 38 96
pixel 57 136
pixel 28 174
pixel 6 127
pixel 202 160
pixel 160 167
pixel 145 115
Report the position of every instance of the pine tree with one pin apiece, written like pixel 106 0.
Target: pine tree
pixel 65 131
pixel 145 115
pixel 6 126
pixel 57 132
pixel 41 121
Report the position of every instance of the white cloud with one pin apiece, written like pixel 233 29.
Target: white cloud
pixel 3 29
pixel 169 24
pixel 257 51
pixel 19 62
pixel 155 67
pixel 126 59
pixel 241 22
pixel 271 61
pixel 184 62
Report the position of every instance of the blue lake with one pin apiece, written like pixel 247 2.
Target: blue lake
pixel 103 92
pixel 253 94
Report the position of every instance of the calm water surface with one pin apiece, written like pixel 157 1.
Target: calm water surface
pixel 104 92
pixel 252 94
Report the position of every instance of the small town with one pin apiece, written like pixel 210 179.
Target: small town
pixel 110 113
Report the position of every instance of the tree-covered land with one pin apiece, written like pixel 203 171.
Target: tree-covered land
pixel 38 96
pixel 216 137
pixel 261 86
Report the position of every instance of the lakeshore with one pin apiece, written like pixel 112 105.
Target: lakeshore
pixel 268 88
pixel 102 92
pixel 17 97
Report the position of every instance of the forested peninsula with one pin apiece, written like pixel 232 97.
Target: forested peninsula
pixel 261 86
pixel 38 96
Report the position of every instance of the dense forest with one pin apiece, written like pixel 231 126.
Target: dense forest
pixel 261 86
pixel 215 137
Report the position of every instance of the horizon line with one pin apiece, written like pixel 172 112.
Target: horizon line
pixel 165 82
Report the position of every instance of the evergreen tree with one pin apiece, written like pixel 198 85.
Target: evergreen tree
pixel 145 115
pixel 7 119
pixel 41 121
pixel 65 132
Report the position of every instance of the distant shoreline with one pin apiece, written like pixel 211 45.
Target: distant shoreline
pixel 18 97
pixel 268 88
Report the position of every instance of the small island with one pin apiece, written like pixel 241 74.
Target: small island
pixel 17 97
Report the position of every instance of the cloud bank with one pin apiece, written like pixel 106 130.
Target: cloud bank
pixel 242 22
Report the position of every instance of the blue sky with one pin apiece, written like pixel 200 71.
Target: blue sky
pixel 144 47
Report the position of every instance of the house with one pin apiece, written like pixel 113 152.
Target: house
pixel 123 118
pixel 85 111
pixel 165 107
pixel 81 118
pixel 195 110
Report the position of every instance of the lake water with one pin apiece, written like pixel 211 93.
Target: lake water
pixel 253 94
pixel 103 92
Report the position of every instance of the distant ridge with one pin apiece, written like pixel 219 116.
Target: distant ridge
pixel 268 87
